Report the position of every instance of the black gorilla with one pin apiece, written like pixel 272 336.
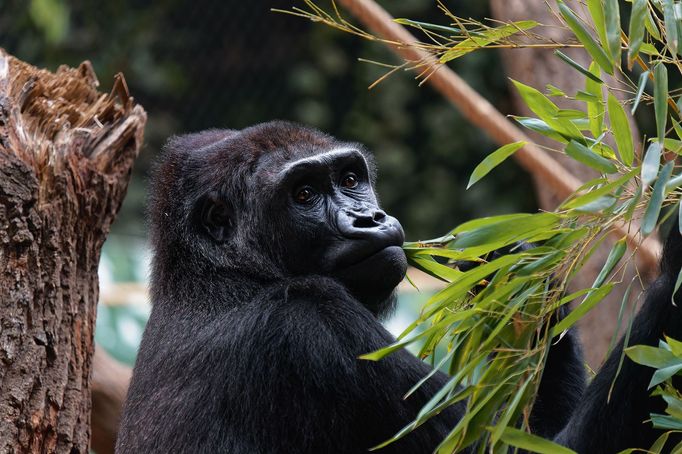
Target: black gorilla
pixel 272 266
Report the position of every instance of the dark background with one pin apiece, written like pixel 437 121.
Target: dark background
pixel 209 63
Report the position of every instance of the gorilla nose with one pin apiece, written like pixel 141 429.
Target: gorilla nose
pixel 368 219
pixel 371 224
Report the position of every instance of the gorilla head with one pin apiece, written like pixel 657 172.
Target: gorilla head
pixel 272 201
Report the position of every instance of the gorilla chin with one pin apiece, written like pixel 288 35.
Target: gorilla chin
pixel 373 279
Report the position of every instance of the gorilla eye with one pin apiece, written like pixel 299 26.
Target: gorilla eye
pixel 304 195
pixel 350 181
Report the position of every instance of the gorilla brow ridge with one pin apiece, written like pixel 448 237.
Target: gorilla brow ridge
pixel 320 158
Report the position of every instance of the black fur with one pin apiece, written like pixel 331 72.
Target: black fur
pixel 262 304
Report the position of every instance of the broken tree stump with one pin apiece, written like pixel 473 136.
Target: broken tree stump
pixel 66 153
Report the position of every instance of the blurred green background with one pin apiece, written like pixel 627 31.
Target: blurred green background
pixel 212 63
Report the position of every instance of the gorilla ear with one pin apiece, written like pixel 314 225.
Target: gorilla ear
pixel 216 217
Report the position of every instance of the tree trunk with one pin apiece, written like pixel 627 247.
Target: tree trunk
pixel 538 67
pixel 66 153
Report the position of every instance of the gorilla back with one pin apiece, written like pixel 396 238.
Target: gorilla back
pixel 272 265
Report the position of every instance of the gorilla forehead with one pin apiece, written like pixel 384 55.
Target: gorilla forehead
pixel 267 148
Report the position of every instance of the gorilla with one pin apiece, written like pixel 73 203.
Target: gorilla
pixel 273 266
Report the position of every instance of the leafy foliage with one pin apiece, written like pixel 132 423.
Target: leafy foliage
pixel 495 320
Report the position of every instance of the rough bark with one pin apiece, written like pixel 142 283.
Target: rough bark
pixel 538 67
pixel 66 152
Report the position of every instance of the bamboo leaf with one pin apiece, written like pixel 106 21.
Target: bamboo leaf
pixel 666 422
pixel 641 85
pixel 651 163
pixel 581 153
pixel 584 36
pixel 636 29
pixel 593 194
pixel 612 17
pixel 596 9
pixel 655 357
pixel 506 231
pixel 493 160
pixel 661 99
pixel 575 65
pixel 547 111
pixel 533 443
pixel 612 260
pixel 652 27
pixel 595 108
pixel 664 373
pixel 621 130
pixel 540 127
pixel 657 195
pixel 587 305
pixel 484 38
pixel 670 25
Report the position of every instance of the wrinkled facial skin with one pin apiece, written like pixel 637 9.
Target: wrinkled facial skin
pixel 334 221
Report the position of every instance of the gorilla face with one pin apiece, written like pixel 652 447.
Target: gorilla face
pixel 308 202
pixel 335 218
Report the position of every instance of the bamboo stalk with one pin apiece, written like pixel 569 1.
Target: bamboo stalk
pixel 484 115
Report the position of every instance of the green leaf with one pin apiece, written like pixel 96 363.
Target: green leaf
pixel 587 305
pixel 651 163
pixel 503 422
pixel 484 38
pixel 641 85
pixel 596 9
pixel 547 111
pixel 678 281
pixel 661 99
pixel 593 194
pixel 675 345
pixel 575 65
pixel 435 269
pixel 651 26
pixel 554 91
pixel 540 127
pixel 505 231
pixel 493 160
pixel 655 357
pixel 595 107
pixel 658 445
pixel 612 260
pixel 612 16
pixel 664 373
pixel 490 220
pixel 673 184
pixel 636 30
pixel 666 422
pixel 584 36
pixel 533 443
pixel 621 130
pixel 670 25
pixel 657 196
pixel 581 153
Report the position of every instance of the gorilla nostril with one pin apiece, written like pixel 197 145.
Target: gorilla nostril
pixel 368 219
pixel 364 222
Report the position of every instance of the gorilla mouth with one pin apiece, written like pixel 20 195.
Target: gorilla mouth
pixel 374 257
